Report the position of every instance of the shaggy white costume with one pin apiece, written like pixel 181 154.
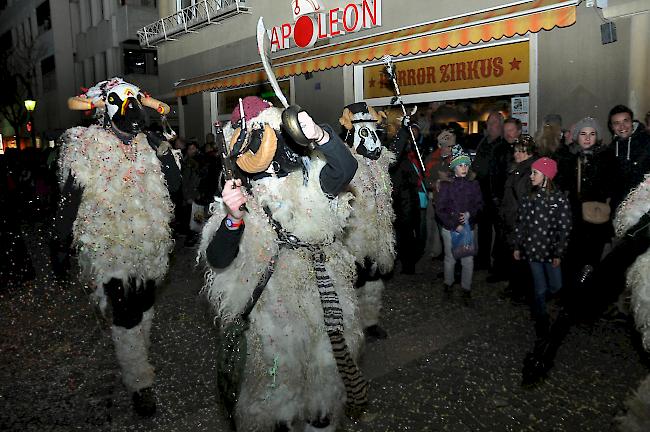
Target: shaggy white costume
pixel 369 233
pixel 291 375
pixel 628 214
pixel 122 227
pixel 370 236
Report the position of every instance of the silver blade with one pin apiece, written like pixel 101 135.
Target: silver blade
pixel 263 46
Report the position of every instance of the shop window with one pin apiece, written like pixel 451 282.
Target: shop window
pixel 6 41
pixel 182 4
pixel 144 3
pixel 43 17
pixel 466 116
pixel 139 61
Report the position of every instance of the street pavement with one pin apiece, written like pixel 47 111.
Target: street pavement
pixel 444 366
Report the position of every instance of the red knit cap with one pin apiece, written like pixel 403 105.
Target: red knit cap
pixel 253 105
pixel 546 166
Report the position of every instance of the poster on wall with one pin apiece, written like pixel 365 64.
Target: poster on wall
pixel 519 110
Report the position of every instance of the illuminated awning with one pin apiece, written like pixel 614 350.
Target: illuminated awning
pixel 519 19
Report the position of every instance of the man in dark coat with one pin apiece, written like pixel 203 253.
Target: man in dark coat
pixel 501 161
pixel 481 166
pixel 631 147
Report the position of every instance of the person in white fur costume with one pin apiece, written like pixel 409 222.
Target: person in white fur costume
pixel 115 211
pixel 369 236
pixel 304 336
pixel 632 222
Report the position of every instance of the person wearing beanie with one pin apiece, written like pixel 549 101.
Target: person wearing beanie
pixel 585 175
pixel 459 201
pixel 437 170
pixel 541 236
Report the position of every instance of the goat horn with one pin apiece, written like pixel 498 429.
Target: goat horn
pixel 376 115
pixel 346 119
pixel 82 103
pixel 257 162
pixel 161 107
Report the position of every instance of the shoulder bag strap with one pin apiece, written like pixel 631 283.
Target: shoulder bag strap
pixel 261 284
pixel 579 175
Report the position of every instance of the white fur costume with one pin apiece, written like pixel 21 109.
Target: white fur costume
pixel 370 231
pixel 122 226
pixel 628 214
pixel 291 374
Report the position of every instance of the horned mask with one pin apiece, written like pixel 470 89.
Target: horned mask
pixel 123 103
pixel 361 121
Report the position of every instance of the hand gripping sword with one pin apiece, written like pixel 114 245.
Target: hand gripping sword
pixel 390 71
pixel 290 113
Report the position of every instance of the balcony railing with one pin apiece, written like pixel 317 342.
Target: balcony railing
pixel 190 19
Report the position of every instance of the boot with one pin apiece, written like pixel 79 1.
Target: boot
pixel 144 402
pixel 542 327
pixel 320 425
pixel 375 332
pixel 446 291
pixel 467 298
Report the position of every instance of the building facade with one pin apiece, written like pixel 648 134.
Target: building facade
pixel 455 60
pixel 74 44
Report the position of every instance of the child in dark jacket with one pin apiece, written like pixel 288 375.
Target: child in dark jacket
pixel 459 200
pixel 541 236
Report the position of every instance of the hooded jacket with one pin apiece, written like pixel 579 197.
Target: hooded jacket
pixel 632 160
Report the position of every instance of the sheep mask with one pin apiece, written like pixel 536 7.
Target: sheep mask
pixel 361 121
pixel 122 102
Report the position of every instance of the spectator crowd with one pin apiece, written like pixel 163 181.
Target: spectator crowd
pixel 539 207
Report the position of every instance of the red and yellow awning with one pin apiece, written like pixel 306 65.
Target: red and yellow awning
pixel 532 16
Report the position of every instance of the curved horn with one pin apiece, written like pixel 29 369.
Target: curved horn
pixel 346 119
pixel 82 103
pixel 161 107
pixel 257 162
pixel 378 116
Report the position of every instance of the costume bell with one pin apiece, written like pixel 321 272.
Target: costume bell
pixel 304 335
pixel 115 211
pixel 369 235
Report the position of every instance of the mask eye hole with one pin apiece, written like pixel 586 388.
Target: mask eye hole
pixel 364 133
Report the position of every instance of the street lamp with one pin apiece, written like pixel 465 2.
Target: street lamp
pixel 30 104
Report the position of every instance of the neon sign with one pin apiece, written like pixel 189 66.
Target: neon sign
pixel 314 25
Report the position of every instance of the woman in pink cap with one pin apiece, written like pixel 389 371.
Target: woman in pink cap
pixel 541 236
